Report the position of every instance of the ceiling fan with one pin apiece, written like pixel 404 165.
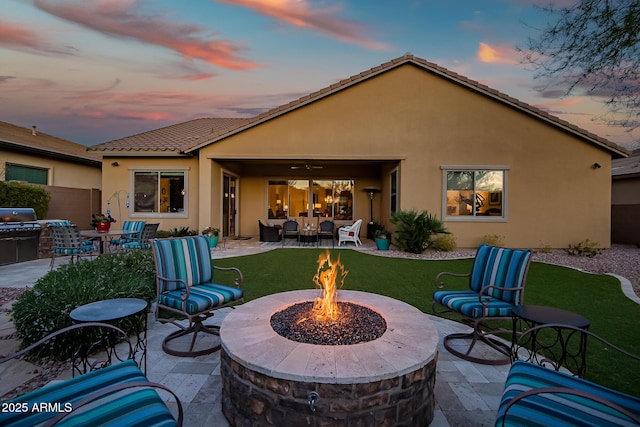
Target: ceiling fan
pixel 307 167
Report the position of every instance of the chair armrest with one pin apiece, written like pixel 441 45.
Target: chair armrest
pixel 237 281
pixel 185 295
pixel 564 390
pixel 112 389
pixel 440 285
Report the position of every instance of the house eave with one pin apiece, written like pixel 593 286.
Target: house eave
pixel 21 148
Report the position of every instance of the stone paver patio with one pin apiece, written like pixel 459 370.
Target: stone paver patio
pixel 467 394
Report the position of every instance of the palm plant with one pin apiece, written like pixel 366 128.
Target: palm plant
pixel 415 230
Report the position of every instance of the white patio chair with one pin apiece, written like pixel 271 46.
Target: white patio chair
pixel 350 233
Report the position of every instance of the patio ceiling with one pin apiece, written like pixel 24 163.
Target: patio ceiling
pixel 317 167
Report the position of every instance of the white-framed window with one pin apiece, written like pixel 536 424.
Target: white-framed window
pixel 474 193
pixel 159 193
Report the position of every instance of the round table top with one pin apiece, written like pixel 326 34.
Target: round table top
pixel 541 314
pixel 110 309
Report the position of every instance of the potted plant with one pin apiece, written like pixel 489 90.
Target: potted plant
pixel 383 239
pixel 102 222
pixel 212 235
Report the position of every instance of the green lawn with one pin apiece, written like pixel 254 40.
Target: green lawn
pixel 597 297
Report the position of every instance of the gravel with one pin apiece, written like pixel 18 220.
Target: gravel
pixel 356 324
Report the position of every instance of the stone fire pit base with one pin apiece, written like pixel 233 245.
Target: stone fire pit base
pixel 267 380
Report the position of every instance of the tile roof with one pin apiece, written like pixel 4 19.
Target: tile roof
pixel 171 139
pixel 23 139
pixel 184 137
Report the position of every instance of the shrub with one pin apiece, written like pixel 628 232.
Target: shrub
pixel 414 231
pixel 445 243
pixel 176 232
pixel 45 308
pixel 493 240
pixel 18 195
pixel 587 248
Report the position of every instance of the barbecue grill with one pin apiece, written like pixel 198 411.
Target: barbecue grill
pixel 19 235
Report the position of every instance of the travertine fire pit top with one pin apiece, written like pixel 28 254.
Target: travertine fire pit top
pixel 409 343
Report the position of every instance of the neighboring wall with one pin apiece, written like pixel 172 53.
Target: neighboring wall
pixel 74 204
pixel 625 211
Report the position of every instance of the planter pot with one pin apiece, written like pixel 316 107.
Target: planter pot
pixel 383 244
pixel 103 227
pixel 213 241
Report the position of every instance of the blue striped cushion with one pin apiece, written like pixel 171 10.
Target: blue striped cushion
pixel 75 251
pixel 188 259
pixel 136 245
pixel 468 304
pixel 202 297
pixel 559 409
pixel 132 407
pixel 495 266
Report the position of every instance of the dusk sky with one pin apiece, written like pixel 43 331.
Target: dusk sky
pixel 91 71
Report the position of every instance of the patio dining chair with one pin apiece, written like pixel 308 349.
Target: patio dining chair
pixel 186 288
pixel 290 231
pixel 143 241
pixel 67 241
pixel 325 232
pixel 131 232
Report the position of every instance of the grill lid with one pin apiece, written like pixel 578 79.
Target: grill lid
pixel 17 215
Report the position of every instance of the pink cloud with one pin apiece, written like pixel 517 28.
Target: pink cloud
pixel 299 13
pixel 558 106
pixel 16 37
pixel 119 19
pixel 155 116
pixel 497 54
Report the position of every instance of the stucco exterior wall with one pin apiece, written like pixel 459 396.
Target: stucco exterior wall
pixel 117 182
pixel 61 173
pixel 554 196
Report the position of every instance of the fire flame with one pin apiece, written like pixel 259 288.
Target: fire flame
pixel 329 277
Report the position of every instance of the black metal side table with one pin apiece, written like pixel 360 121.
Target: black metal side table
pixel 125 313
pixel 534 315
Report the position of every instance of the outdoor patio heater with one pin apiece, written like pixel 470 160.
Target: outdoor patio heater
pixel 371 191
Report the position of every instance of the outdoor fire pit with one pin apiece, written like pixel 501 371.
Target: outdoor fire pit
pixel 269 379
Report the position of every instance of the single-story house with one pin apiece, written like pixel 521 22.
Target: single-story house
pixel 71 175
pixel 625 199
pixel 407 134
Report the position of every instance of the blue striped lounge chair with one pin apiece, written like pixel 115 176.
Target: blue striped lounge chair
pixel 186 287
pixel 496 285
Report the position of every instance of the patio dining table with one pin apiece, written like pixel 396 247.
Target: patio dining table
pixel 102 235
